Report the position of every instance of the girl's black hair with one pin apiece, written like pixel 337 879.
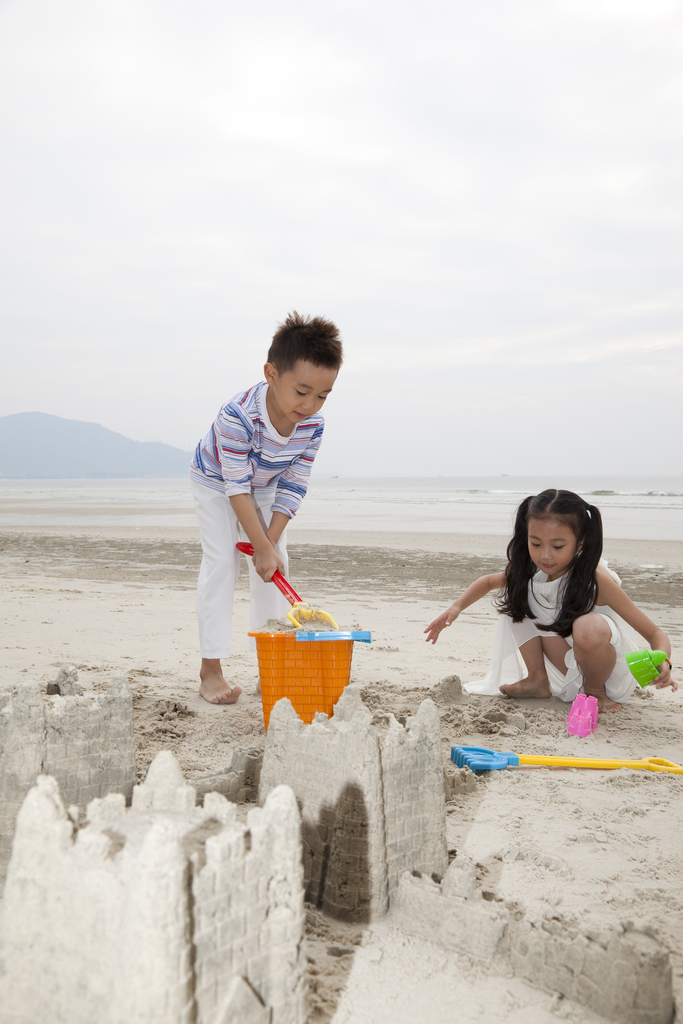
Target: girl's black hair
pixel 581 589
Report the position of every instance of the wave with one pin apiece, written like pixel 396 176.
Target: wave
pixel 638 494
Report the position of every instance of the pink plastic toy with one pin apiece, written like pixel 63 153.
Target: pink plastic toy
pixel 583 717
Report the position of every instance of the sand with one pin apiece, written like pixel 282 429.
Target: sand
pixel 583 847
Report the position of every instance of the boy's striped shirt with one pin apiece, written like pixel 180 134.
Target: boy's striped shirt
pixel 243 452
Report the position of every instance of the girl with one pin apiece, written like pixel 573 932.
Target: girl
pixel 564 624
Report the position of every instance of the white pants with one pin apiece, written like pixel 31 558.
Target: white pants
pixel 219 531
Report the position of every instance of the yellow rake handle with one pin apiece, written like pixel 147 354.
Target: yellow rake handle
pixel 651 764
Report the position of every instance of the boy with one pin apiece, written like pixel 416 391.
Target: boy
pixel 251 472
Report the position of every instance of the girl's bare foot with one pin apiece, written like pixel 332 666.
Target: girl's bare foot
pixel 213 687
pixel 605 704
pixel 532 686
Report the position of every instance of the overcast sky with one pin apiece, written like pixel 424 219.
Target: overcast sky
pixel 486 196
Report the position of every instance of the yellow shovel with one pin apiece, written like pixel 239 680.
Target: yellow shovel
pixel 480 759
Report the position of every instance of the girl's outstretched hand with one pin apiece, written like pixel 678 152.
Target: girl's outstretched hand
pixel 446 618
pixel 664 678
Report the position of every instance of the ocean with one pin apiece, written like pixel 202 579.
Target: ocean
pixel 638 507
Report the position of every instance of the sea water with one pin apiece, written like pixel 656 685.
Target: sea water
pixel 643 507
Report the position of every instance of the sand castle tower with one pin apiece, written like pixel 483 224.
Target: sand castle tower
pixel 166 913
pixel 84 742
pixel 371 794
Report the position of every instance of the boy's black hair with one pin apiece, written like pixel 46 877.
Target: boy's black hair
pixel 580 592
pixel 310 338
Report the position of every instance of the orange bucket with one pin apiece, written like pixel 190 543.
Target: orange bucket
pixel 311 674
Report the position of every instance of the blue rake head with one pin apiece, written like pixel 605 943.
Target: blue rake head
pixel 363 635
pixel 481 759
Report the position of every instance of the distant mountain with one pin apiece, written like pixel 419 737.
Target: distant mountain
pixel 37 446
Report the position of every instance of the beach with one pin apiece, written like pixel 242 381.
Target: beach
pixel 586 849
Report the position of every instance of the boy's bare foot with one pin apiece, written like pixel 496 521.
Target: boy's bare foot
pixel 529 687
pixel 224 695
pixel 213 687
pixel 605 704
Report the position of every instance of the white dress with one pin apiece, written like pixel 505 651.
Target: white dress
pixel 507 665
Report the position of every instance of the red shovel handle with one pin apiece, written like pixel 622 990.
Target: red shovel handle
pixel 278 579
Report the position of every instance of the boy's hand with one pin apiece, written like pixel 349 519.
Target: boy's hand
pixel 266 562
pixel 664 678
pixel 446 618
pixel 266 558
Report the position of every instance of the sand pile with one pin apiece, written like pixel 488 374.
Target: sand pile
pixel 312 625
pixel 276 626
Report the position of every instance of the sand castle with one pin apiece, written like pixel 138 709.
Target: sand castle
pixel 622 973
pixel 84 742
pixel 371 795
pixel 166 913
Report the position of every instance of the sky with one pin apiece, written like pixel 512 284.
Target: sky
pixel 485 197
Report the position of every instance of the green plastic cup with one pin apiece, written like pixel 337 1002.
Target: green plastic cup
pixel 643 665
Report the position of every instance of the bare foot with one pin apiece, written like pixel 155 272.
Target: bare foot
pixel 532 686
pixel 216 694
pixel 213 687
pixel 605 704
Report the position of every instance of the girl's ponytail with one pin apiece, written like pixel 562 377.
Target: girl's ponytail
pixel 514 600
pixel 580 592
pixel 592 539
